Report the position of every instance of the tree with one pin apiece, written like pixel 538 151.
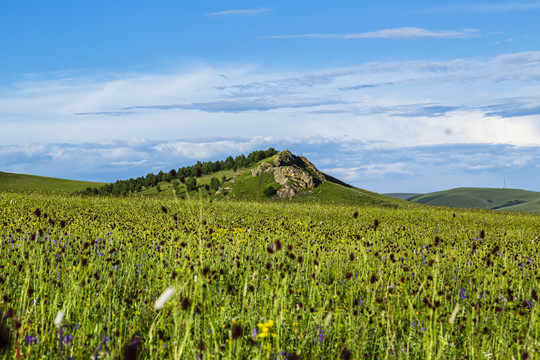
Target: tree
pixel 223 179
pixel 214 183
pixel 191 184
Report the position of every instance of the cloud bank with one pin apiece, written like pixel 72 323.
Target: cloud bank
pixel 406 169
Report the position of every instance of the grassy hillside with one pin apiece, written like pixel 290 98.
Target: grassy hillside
pixel 21 182
pixel 483 198
pixel 241 185
pixel 531 206
pixel 403 196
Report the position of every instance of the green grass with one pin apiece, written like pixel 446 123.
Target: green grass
pixel 531 206
pixel 21 182
pixel 335 194
pixel 482 198
pixel 378 282
pixel 403 196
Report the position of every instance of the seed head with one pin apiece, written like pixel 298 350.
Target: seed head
pixel 58 319
pixel 164 298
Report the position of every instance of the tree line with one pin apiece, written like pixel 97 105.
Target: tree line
pixel 186 174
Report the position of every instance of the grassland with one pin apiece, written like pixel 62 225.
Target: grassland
pixel 264 280
pixel 21 182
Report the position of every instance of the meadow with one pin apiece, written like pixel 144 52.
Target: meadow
pixel 263 280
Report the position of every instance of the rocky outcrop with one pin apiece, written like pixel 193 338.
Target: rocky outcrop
pixel 294 173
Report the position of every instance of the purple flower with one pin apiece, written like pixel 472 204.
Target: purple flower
pixel 31 339
pixel 321 335
pixel 8 314
pixel 462 294
pixel 67 339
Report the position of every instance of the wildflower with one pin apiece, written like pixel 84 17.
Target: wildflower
pixel 31 339
pixel 266 329
pixel 237 331
pixel 130 351
pixel 8 314
pixel 462 294
pixel 321 335
pixel 67 339
pixel 186 303
pixel 346 354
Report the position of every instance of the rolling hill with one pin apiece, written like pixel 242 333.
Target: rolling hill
pixel 21 182
pixel 483 198
pixel 282 177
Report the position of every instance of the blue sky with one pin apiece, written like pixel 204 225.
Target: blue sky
pixel 390 96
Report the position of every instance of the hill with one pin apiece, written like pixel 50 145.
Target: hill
pixel 22 182
pixel 483 198
pixel 403 196
pixel 280 177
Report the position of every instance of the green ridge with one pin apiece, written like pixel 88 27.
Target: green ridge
pixel 22 182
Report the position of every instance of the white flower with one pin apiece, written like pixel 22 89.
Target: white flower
pixel 163 298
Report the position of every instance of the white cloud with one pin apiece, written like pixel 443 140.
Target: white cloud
pixel 402 33
pixel 241 12
pixel 390 104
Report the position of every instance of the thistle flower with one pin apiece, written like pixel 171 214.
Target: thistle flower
pixel 346 354
pixel 164 298
pixel 237 331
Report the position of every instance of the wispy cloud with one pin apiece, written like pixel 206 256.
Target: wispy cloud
pixel 398 103
pixel 241 12
pixel 486 8
pixel 242 105
pixel 516 107
pixel 402 33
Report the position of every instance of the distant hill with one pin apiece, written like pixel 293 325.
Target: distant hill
pixel 21 182
pixel 483 198
pixel 403 196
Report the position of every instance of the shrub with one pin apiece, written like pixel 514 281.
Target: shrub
pixel 270 191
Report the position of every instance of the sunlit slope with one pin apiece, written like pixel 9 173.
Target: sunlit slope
pixel 21 182
pixel 483 198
